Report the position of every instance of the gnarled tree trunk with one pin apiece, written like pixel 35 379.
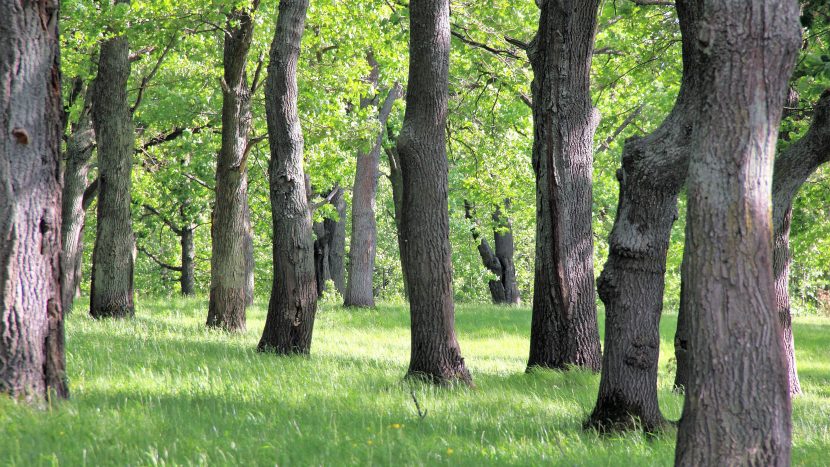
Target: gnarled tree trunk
pixel 737 407
pixel 112 256
pixel 32 363
pixel 290 320
pixel 564 328
pixel 503 290
pixel 231 229
pixel 631 285
pixel 330 246
pixel 425 229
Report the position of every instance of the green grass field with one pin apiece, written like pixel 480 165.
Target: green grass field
pixel 163 390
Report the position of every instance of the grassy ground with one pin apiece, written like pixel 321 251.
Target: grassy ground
pixel 160 389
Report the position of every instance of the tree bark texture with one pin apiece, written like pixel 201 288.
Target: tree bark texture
pixel 792 168
pixel 504 290
pixel 32 362
pixel 631 286
pixel 112 256
pixel 359 291
pixel 564 328
pixel 231 229
pixel 76 199
pixel 396 181
pixel 435 353
pixel 737 406
pixel 290 320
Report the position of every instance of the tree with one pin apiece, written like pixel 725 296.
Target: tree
pixel 792 168
pixel 427 263
pixel 564 328
pixel 231 226
pixel 77 195
pixel 503 289
pixel 185 229
pixel 112 257
pixel 330 245
pixel 737 406
pixel 632 283
pixel 359 291
pixel 290 320
pixel 32 362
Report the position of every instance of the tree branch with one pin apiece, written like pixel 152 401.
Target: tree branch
pixel 164 219
pixel 146 80
pixel 157 260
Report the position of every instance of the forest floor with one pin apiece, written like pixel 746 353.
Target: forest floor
pixel 163 390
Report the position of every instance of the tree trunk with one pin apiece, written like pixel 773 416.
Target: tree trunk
pixel 290 320
pixel 503 290
pixel 792 168
pixel 564 328
pixel 427 260
pixel 337 243
pixel 32 362
pixel 188 279
pixel 249 258
pixel 396 180
pixel 737 406
pixel 79 146
pixel 230 292
pixel 654 169
pixel 363 247
pixel 112 256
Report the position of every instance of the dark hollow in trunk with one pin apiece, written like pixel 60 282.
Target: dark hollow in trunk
pixel 76 200
pixel 737 406
pixel 32 362
pixel 564 328
pixel 231 260
pixel 293 304
pixel 435 353
pixel 359 291
pixel 112 256
pixel 504 290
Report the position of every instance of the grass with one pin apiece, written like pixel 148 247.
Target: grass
pixel 163 390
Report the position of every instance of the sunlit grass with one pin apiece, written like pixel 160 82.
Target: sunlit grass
pixel 161 389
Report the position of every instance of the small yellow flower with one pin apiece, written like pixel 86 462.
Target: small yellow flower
pixel 449 451
pixel 396 426
pixel 369 442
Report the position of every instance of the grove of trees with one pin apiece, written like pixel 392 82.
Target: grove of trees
pixel 366 151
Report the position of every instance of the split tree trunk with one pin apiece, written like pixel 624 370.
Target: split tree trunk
pixel 503 290
pixel 427 260
pixel 76 199
pixel 32 362
pixel 737 406
pixel 330 246
pixel 564 328
pixel 360 290
pixel 290 320
pixel 112 256
pixel 654 170
pixel 231 229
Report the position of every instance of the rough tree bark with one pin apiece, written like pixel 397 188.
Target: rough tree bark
pixel 435 353
pixel 564 328
pixel 76 200
pixel 230 229
pixel 32 362
pixel 737 406
pixel 290 320
pixel 792 168
pixel 112 257
pixel 504 290
pixel 359 292
pixel 631 285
